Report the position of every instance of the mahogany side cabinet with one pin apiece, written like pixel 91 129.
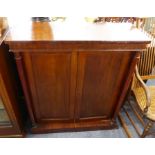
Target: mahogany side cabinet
pixel 74 77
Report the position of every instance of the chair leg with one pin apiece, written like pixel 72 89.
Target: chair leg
pixel 147 128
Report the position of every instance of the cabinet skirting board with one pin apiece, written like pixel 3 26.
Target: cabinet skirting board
pixel 80 126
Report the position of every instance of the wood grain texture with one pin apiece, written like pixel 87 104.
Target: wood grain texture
pixel 49 76
pixel 100 78
pixel 75 78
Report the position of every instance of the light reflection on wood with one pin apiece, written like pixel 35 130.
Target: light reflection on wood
pixel 41 31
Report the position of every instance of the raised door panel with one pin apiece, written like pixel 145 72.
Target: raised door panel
pixel 101 76
pixel 49 78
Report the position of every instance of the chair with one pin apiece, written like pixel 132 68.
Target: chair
pixel 144 95
pixel 145 99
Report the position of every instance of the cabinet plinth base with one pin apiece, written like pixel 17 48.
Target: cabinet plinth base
pixel 80 126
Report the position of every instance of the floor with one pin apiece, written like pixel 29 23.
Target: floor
pixel 115 133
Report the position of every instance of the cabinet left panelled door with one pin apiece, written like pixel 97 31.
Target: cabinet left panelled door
pixel 51 79
pixel 10 121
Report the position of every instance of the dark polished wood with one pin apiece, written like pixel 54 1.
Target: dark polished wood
pixel 99 82
pixel 49 77
pixel 74 76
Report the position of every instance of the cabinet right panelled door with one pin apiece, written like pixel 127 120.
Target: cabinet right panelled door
pixel 100 78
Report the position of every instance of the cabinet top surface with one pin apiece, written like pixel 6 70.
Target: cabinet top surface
pixel 27 30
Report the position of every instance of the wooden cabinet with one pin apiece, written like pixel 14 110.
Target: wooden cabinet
pixel 10 118
pixel 74 81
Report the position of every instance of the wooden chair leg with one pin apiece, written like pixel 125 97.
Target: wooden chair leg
pixel 147 128
pixel 136 113
pixel 124 126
